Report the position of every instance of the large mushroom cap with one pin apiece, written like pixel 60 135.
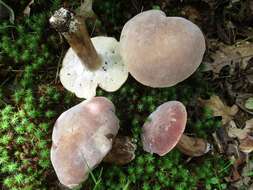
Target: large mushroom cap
pixel 161 51
pixel 164 128
pixel 82 137
pixel 77 78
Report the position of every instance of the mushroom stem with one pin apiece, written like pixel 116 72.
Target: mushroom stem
pixel 193 146
pixel 122 152
pixel 74 30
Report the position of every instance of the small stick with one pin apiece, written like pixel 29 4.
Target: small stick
pixel 75 32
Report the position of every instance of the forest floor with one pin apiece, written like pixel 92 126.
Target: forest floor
pixel 218 97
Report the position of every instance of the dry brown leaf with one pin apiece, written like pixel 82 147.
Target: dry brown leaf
pixel 245 180
pixel 220 109
pixel 243 135
pixel 229 55
pixel 246 145
pixel 235 132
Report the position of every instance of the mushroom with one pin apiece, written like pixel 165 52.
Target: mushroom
pixel 161 51
pixel 89 62
pixel 164 129
pixel 82 137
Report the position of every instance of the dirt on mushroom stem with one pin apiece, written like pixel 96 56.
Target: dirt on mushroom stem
pixel 74 30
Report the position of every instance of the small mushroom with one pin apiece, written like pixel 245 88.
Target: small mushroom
pixel 161 51
pixel 164 129
pixel 82 137
pixel 89 62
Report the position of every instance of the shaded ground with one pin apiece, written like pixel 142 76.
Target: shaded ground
pixel 31 96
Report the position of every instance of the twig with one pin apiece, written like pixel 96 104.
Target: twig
pixel 5 81
pixel 94 27
pixel 12 15
pixel 58 66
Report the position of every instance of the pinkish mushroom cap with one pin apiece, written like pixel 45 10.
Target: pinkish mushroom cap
pixel 161 51
pixel 82 137
pixel 164 128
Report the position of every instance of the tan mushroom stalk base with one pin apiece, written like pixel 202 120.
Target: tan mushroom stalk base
pixel 164 129
pixel 89 62
pixel 193 146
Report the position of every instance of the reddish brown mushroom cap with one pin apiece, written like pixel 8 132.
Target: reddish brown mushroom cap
pixel 82 137
pixel 164 128
pixel 161 51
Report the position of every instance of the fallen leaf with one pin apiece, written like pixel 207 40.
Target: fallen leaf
pixel 241 134
pixel 249 103
pixel 246 145
pixel 245 180
pixel 229 55
pixel 241 100
pixel 237 162
pixel 27 9
pixel 220 109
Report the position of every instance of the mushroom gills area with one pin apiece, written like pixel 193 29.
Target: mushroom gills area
pixel 77 78
pixel 164 128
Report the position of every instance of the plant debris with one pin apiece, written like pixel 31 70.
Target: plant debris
pixel 235 132
pixel 249 103
pixel 246 176
pixel 220 109
pixel 229 55
pixel 27 9
pixel 5 11
pixel 243 100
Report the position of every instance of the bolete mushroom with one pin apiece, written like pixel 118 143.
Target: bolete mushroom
pixel 161 51
pixel 82 137
pixel 89 62
pixel 164 129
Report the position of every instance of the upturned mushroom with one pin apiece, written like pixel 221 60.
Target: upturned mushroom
pixel 161 51
pixel 89 62
pixel 164 129
pixel 82 137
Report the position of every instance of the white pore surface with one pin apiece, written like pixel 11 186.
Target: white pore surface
pixel 77 78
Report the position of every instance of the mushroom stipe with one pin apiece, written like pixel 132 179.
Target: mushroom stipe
pixel 89 62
